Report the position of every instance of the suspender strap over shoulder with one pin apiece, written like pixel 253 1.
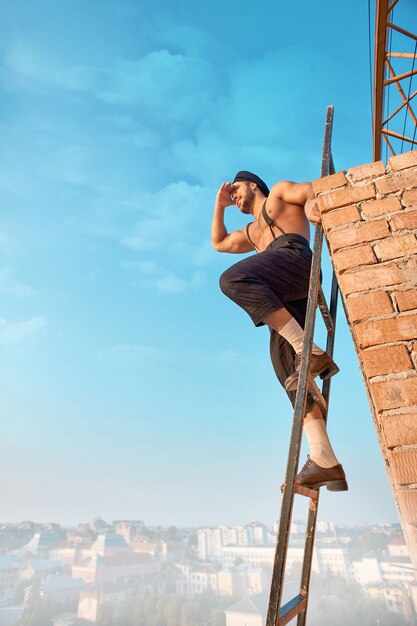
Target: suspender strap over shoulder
pixel 270 222
pixel 249 237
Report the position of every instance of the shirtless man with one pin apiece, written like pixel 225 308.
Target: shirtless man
pixel 272 287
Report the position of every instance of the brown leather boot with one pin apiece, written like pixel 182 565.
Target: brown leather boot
pixel 320 365
pixel 313 476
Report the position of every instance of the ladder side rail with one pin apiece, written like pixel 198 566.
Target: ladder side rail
pixel 295 441
pixel 313 508
pixel 300 404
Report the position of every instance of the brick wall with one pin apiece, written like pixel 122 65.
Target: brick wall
pixel 369 218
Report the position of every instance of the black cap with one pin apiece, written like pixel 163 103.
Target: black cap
pixel 252 178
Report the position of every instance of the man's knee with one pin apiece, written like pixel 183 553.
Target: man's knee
pixel 228 281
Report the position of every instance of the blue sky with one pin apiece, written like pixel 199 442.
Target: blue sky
pixel 131 387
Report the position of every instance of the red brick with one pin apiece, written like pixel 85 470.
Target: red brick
pixel 406 300
pixel 396 247
pixel 370 170
pixel 400 429
pixel 410 197
pixel 342 197
pixel 386 360
pixel 395 182
pixel 404 465
pixel 409 269
pixel 354 257
pixel 369 305
pixel 329 182
pixel 374 208
pixel 401 161
pixel 394 394
pixel 407 502
pixel 372 278
pixel 377 332
pixel 405 219
pixel 358 234
pixel 341 216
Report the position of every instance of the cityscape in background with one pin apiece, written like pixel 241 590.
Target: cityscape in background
pixel 126 573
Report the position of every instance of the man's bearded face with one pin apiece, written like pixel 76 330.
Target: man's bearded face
pixel 243 196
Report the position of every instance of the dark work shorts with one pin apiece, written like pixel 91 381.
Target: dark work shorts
pixel 265 282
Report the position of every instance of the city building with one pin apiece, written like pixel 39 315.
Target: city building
pixel 112 593
pixel 61 589
pixel 129 529
pixel 43 542
pixel 11 615
pixel 251 611
pixel 42 568
pixel 110 568
pixel 9 571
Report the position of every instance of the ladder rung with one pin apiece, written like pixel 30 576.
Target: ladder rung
pixel 294 607
pixel 317 395
pixel 306 491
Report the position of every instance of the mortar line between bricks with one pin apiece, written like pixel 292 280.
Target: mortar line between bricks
pixel 402 446
pixel 355 225
pixel 393 301
pixel 395 315
pixel 376 318
pixel 410 286
pixel 391 344
pixel 398 412
pixel 387 216
pixel 351 270
pixel 392 376
pixel 404 487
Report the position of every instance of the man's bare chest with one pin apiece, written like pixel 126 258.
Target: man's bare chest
pixel 261 234
pixel 271 223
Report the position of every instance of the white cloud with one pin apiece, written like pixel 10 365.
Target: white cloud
pixel 231 359
pixel 20 290
pixel 179 85
pixel 169 283
pixel 29 61
pixel 153 358
pixel 136 350
pixel 18 333
pixel 169 218
pixel 143 267
pixel 170 238
pixel 72 164
pixel 9 286
pixel 129 354
pixel 167 87
pixel 4 241
pixel 158 278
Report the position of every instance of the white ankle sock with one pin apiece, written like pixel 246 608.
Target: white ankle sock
pixel 294 334
pixel 321 451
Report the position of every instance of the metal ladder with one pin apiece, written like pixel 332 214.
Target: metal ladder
pixel 278 615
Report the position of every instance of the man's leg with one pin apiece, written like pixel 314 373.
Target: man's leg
pixel 288 327
pixel 321 451
pixel 322 467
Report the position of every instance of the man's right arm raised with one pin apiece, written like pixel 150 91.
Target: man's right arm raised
pixel 235 242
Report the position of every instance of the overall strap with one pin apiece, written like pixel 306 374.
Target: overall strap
pixel 249 237
pixel 270 221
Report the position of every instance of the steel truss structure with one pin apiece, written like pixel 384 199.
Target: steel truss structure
pixel 396 127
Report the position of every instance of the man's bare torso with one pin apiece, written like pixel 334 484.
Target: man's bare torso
pixel 289 205
pixel 290 217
